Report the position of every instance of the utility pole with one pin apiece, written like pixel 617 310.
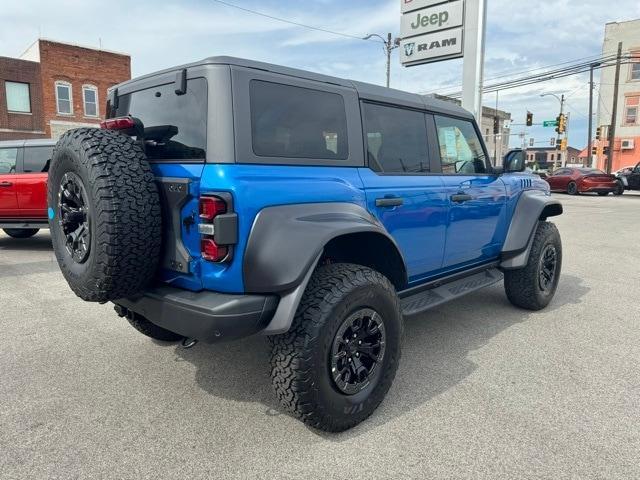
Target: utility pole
pixel 390 44
pixel 590 133
pixel 496 120
pixel 614 111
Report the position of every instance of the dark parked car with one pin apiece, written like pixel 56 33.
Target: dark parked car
pixel 629 178
pixel 23 186
pixel 582 180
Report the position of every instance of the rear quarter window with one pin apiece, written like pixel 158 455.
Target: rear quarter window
pixel 175 126
pixel 297 122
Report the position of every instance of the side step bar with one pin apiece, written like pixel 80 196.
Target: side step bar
pixel 421 301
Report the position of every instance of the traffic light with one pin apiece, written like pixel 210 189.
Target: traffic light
pixel 529 119
pixel 598 133
pixel 558 143
pixel 563 144
pixel 496 125
pixel 561 121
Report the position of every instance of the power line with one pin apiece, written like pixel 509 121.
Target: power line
pixel 291 22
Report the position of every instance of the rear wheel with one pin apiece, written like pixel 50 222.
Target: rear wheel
pixel 21 232
pixel 104 214
pixel 336 363
pixel 533 286
pixel 572 188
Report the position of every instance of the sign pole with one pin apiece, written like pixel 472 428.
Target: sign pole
pixel 475 20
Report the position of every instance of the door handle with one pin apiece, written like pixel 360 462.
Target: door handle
pixel 389 202
pixel 461 198
pixel 5 184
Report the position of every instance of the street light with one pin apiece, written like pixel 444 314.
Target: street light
pixel 561 100
pixel 389 44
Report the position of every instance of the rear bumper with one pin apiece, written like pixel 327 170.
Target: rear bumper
pixel 598 188
pixel 206 316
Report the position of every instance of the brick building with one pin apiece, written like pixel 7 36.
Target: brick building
pixel 544 158
pixel 54 87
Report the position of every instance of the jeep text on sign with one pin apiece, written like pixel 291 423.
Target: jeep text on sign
pixel 432 47
pixel 432 19
pixel 410 5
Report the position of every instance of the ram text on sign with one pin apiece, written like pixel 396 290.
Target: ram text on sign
pixel 409 5
pixel 432 19
pixel 431 47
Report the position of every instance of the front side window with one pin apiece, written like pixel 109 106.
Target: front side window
pixel 396 139
pixel 90 99
pixel 175 126
pixel 461 150
pixel 63 98
pixel 18 97
pixel 296 122
pixel 37 159
pixel 8 160
pixel 631 110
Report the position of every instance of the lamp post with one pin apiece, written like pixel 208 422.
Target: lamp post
pixel 389 44
pixel 561 100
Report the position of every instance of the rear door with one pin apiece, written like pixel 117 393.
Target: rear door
pixel 400 189
pixel 477 198
pixel 31 181
pixel 8 167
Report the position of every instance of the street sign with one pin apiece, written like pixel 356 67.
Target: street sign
pixel 431 31
pixel 550 123
pixel 432 47
pixel 431 19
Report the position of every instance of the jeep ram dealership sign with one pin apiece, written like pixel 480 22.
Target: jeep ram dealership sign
pixel 431 31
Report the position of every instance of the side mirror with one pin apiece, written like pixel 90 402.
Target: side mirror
pixel 514 161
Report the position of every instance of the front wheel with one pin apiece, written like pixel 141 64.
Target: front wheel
pixel 21 232
pixel 533 286
pixel 336 363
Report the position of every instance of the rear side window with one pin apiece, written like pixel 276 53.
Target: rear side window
pixel 37 159
pixel 175 126
pixel 297 122
pixel 8 159
pixel 461 150
pixel 396 139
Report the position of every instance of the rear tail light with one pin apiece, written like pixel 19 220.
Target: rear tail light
pixel 119 123
pixel 218 227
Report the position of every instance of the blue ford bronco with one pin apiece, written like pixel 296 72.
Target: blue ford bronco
pixel 227 198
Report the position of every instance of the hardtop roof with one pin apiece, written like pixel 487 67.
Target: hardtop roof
pixel 365 90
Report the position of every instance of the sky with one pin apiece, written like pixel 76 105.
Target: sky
pixel 521 35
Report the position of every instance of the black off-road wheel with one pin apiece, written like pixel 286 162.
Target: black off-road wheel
pixel 572 188
pixel 150 329
pixel 104 214
pixel 533 286
pixel 336 363
pixel 21 232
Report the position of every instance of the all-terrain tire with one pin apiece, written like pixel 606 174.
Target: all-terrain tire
pixel 150 329
pixel 523 285
pixel 21 232
pixel 122 213
pixel 300 363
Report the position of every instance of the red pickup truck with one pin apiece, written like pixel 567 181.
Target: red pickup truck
pixel 23 186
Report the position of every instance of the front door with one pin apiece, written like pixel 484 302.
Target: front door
pixel 8 198
pixel 400 192
pixel 560 179
pixel 476 223
pixel 634 178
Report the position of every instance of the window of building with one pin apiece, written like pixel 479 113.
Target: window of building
pixel 90 100
pixel 552 157
pixel 631 110
pixel 8 159
pixel 460 148
pixel 63 98
pixel 296 122
pixel 396 139
pixel 175 126
pixel 18 98
pixel 37 159
pixel 635 66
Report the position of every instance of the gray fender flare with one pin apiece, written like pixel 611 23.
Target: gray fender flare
pixel 287 241
pixel 533 206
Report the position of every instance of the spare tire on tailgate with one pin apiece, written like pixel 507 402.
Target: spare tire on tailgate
pixel 104 214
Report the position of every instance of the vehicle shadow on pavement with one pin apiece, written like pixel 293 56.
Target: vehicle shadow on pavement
pixel 39 243
pixel 435 355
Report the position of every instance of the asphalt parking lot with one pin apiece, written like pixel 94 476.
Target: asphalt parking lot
pixel 483 391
